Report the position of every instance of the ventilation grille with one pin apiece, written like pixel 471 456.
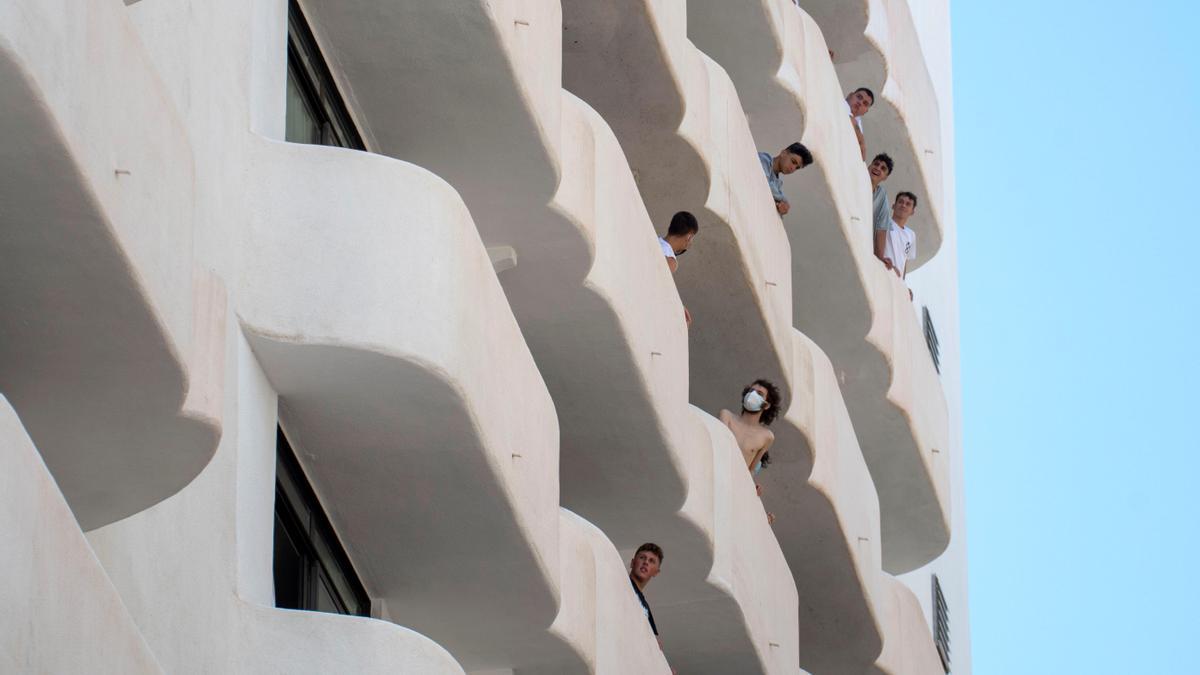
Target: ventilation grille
pixel 931 340
pixel 941 623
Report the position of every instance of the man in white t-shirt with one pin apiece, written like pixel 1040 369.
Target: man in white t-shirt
pixel 858 103
pixel 683 227
pixel 901 244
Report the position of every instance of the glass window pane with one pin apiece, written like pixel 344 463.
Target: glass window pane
pixel 302 125
pixel 289 568
pixel 327 600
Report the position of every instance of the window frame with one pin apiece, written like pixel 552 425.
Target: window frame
pixel 298 511
pixel 307 65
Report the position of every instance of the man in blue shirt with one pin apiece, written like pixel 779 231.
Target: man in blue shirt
pixel 791 159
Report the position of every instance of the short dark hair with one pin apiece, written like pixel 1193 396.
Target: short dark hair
pixel 683 224
pixel 800 151
pixel 909 195
pixel 883 157
pixel 652 548
pixel 868 93
pixel 765 459
pixel 773 397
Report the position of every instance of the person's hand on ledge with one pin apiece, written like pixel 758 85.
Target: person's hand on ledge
pixel 782 208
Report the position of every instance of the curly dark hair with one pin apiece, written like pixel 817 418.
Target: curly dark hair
pixel 773 399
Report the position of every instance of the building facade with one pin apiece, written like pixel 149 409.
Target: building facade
pixel 336 338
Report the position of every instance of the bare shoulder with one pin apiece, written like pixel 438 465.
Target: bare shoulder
pixel 725 416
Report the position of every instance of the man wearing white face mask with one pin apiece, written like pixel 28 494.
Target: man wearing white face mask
pixel 760 401
pixel 760 405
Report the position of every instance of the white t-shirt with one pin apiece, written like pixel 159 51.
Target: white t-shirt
pixel 857 120
pixel 900 247
pixel 666 248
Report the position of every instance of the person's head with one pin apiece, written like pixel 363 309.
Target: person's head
pixel 793 158
pixel 904 206
pixel 766 400
pixel 860 101
pixel 646 563
pixel 765 460
pixel 683 227
pixel 880 168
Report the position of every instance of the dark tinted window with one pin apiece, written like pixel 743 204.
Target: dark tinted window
pixel 312 569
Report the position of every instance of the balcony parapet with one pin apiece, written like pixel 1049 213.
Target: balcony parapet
pixel 597 616
pixel 62 614
pixel 875 45
pixel 855 309
pixel 908 645
pixel 283 640
pixel 112 336
pixel 379 321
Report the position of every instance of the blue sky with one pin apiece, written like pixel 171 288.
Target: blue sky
pixel 1078 153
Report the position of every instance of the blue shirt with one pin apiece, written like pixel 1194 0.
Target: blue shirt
pixel 880 213
pixel 773 178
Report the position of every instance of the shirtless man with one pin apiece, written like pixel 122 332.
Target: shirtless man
pixel 760 405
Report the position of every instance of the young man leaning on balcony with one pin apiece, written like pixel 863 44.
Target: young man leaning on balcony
pixel 683 228
pixel 791 159
pixel 760 406
pixel 859 103
pixel 879 170
pixel 901 244
pixel 646 564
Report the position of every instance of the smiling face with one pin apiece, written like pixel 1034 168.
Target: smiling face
pixel 878 170
pixel 644 567
pixel 860 102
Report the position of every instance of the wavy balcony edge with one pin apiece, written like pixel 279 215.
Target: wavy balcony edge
pixel 100 292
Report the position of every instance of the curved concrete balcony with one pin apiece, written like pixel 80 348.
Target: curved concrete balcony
pixel 681 127
pixel 410 396
pixel 875 45
pixel 598 617
pixel 98 295
pixel 861 315
pixel 287 641
pixel 590 289
pixel 827 521
pixel 908 646
pixel 62 614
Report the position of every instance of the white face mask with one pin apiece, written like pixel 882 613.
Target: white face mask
pixel 753 401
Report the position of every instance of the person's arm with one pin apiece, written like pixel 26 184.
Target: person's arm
pixel 672 264
pixel 880 244
pixel 862 141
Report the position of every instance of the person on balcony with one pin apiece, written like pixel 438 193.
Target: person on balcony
pixel 760 406
pixel 901 244
pixel 793 158
pixel 858 103
pixel 879 170
pixel 683 228
pixel 646 564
